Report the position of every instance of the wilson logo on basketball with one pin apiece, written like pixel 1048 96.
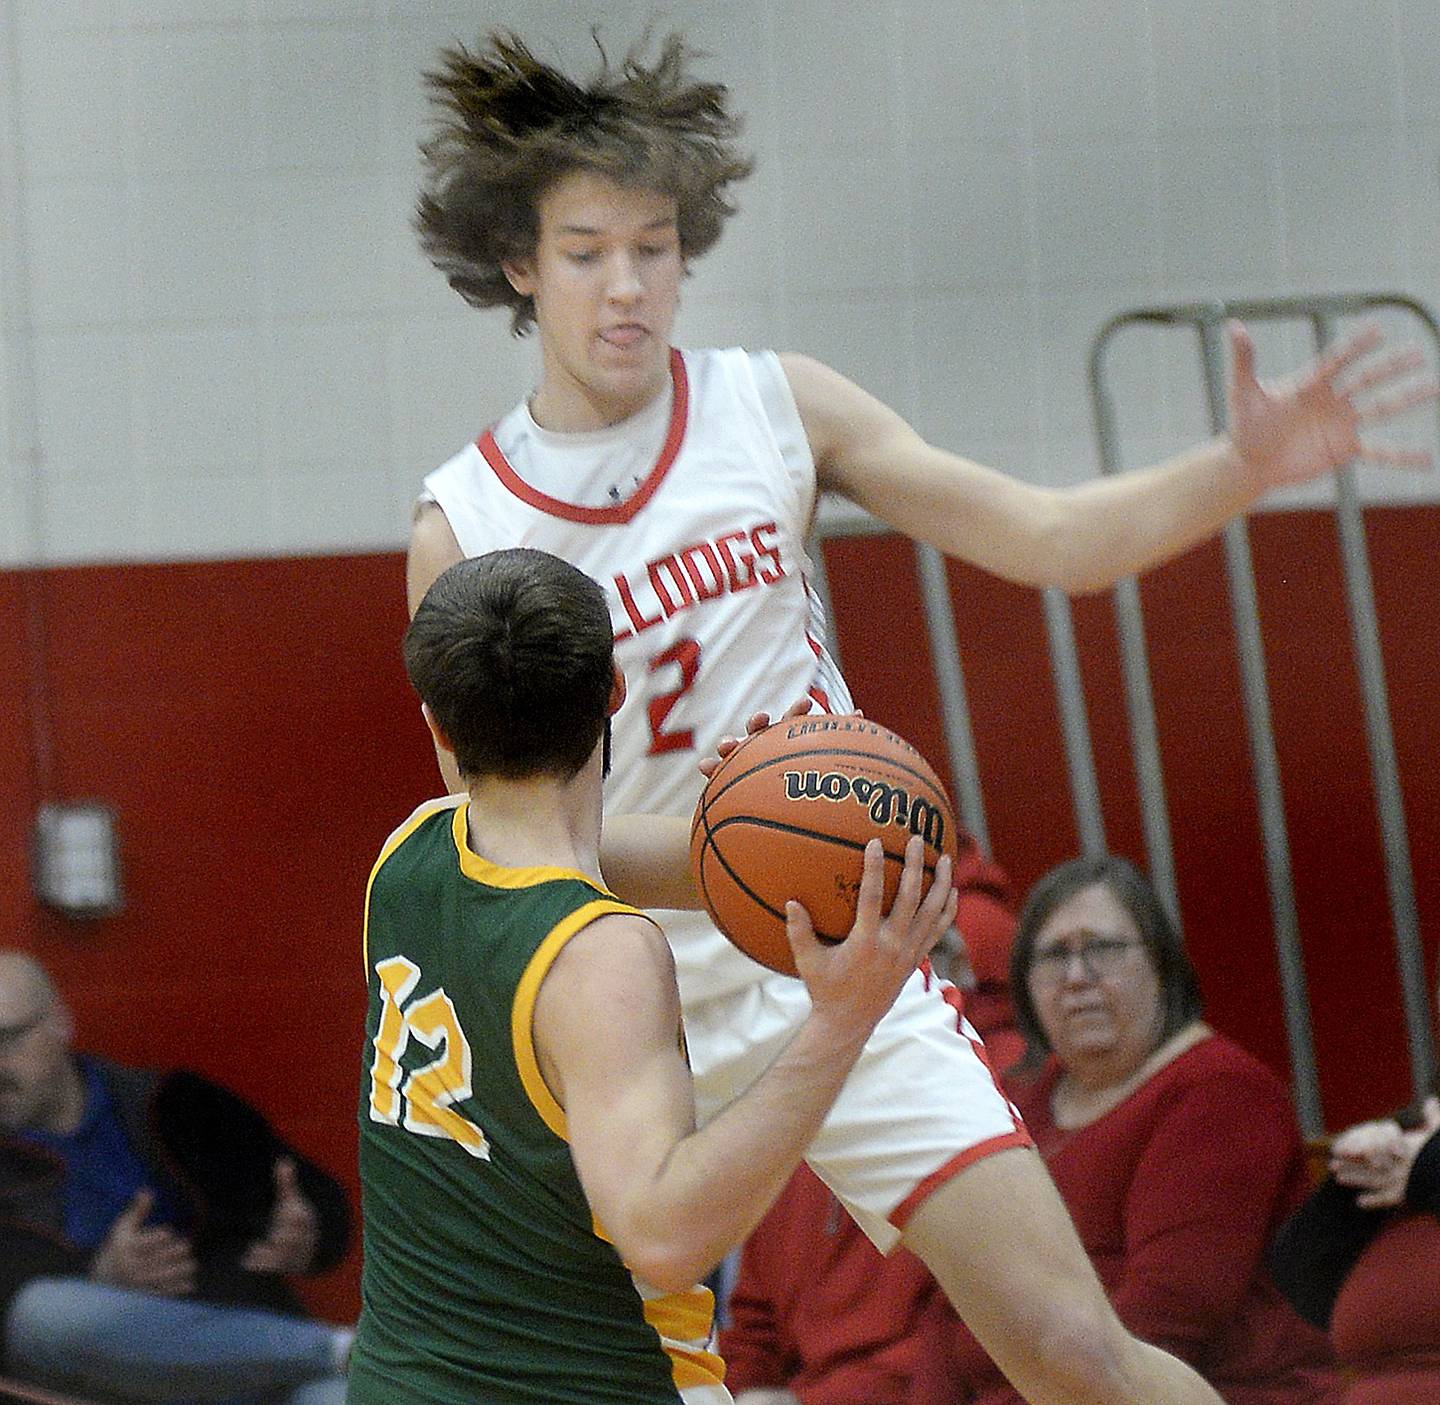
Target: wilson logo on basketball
pixel 888 804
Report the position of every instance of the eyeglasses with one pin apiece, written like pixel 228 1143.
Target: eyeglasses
pixel 1100 957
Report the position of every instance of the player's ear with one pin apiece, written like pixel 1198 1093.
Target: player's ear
pixel 520 274
pixel 436 730
pixel 617 693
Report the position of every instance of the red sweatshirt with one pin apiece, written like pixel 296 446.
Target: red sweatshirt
pixel 817 1309
pixel 1177 1194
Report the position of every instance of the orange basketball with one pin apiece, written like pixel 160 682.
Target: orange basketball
pixel 788 814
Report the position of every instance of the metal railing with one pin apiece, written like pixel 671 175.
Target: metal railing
pixel 1206 320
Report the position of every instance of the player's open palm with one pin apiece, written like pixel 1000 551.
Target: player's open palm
pixel 855 981
pixel 1313 423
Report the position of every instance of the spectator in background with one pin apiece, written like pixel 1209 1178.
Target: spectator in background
pixel 975 957
pixel 1176 1152
pixel 817 1315
pixel 1360 1257
pixel 147 1225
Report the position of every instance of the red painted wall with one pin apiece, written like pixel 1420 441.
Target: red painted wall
pixel 1334 833
pixel 252 725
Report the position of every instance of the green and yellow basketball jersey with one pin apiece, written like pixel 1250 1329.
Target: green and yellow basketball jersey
pixel 486 1276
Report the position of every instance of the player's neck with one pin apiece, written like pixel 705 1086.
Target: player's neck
pixel 538 823
pixel 565 405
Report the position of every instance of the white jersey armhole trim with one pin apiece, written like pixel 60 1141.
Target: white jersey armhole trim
pixel 778 402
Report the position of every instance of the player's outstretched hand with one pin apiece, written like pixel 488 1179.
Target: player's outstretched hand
pixel 758 722
pixel 1315 422
pixel 855 981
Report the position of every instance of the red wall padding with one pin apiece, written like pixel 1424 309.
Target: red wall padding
pixel 16 756
pixel 252 725
pixel 1334 833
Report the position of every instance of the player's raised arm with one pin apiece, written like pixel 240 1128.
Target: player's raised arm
pixel 432 548
pixel 1088 536
pixel 646 860
pixel 607 1030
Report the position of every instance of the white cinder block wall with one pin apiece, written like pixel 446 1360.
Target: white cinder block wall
pixel 220 340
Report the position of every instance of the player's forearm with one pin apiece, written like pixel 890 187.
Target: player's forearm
pixel 718 1181
pixel 1081 538
pixel 646 860
pixel 1161 1379
pixel 1121 525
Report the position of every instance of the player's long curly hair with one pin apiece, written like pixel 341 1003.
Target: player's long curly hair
pixel 510 125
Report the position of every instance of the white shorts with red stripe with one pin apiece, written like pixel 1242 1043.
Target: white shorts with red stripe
pixel 919 1106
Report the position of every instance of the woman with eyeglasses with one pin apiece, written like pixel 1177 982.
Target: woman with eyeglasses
pixel 1177 1153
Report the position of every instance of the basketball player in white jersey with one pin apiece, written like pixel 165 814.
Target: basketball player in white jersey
pixel 686 482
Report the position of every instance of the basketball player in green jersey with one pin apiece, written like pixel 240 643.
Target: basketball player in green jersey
pixel 538 1202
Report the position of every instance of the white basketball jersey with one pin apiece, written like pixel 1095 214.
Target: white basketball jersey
pixel 693 515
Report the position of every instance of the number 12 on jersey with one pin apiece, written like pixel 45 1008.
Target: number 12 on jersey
pixel 422 1101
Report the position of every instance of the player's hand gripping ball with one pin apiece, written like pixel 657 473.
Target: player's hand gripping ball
pixel 787 815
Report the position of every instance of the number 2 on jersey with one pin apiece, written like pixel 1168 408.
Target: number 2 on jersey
pixel 685 654
pixel 427 1095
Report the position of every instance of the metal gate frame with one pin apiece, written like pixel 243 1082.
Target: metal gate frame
pixel 1207 320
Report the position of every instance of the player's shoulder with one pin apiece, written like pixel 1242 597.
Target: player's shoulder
pixel 443 805
pixel 462 464
pixel 818 389
pixel 430 528
pixel 801 363
pixel 806 369
pixel 464 473
pixel 619 951
pixel 727 362
pixel 453 480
